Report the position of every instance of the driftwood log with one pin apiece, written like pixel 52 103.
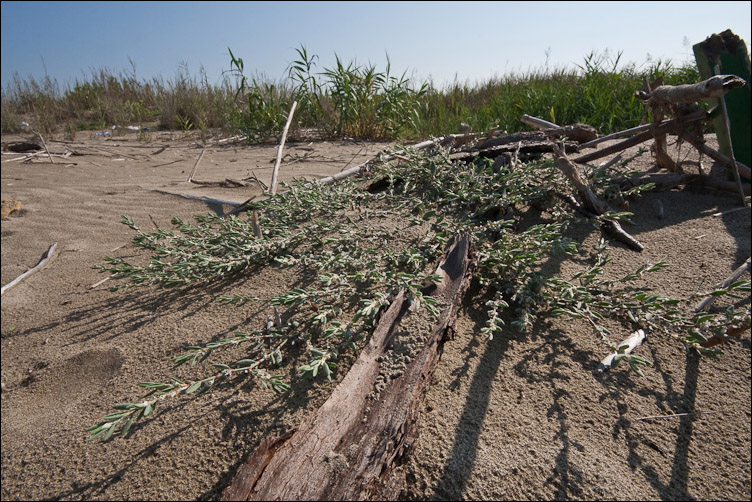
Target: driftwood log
pixel 579 133
pixel 714 87
pixel 529 147
pixel 347 449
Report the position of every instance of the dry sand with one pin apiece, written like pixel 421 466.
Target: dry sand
pixel 523 416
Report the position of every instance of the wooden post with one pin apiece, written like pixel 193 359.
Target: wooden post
pixel 730 51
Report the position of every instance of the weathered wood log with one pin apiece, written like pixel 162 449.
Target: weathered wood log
pixel 660 145
pixel 347 449
pixel 578 133
pixel 662 181
pixel 524 147
pixel 672 126
pixel 592 202
pixel 714 87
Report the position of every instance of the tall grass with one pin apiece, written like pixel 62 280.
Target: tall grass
pixel 348 99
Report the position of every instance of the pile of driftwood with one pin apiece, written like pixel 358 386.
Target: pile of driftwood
pixel 348 449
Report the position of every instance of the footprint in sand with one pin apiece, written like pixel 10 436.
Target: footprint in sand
pixel 58 387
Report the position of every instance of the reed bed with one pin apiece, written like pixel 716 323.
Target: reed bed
pixel 347 100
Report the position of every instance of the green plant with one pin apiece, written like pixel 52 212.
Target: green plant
pixel 353 263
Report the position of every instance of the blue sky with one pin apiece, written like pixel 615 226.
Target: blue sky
pixel 439 40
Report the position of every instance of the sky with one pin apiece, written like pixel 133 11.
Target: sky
pixel 439 41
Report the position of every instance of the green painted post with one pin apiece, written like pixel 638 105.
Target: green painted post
pixel 731 52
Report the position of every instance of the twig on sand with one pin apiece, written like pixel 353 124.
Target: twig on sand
pixel 101 282
pixel 744 268
pixel 46 258
pixel 677 415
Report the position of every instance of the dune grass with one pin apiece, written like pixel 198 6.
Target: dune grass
pixel 346 100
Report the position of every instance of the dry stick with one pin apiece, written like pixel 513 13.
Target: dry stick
pixel 642 137
pixel 46 258
pixel 44 145
pixel 716 155
pixel 625 132
pixel 255 224
pixel 723 338
pixel 195 166
pixel 707 302
pixel 101 282
pixel 610 163
pixel 208 200
pixel 537 123
pixel 281 146
pixel 592 202
pixel 736 209
pixel 727 123
pixel 357 169
pixel 677 415
pixel 160 165
pixel 632 341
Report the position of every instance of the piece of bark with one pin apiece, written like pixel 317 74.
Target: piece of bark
pixel 347 449
pixel 714 87
pixel 248 473
pixel 731 332
pixel 24 147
